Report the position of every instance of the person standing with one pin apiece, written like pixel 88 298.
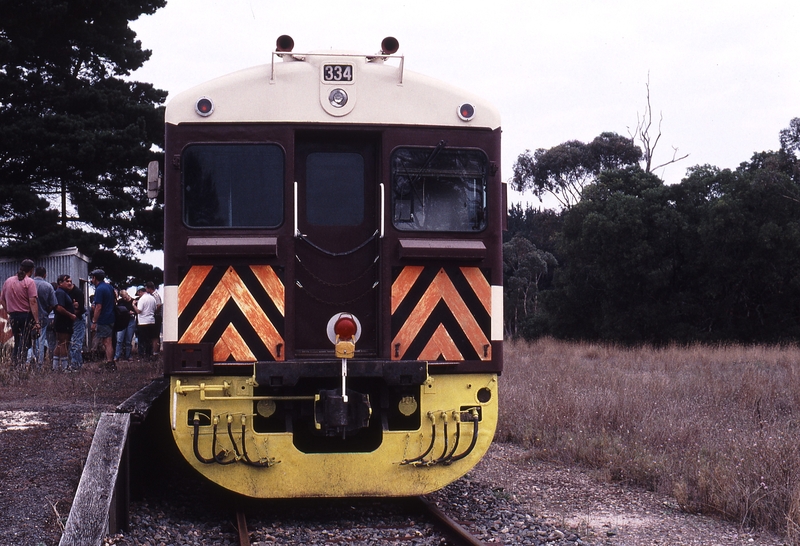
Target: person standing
pixel 150 287
pixel 20 300
pixel 46 296
pixel 125 335
pixel 103 315
pixel 145 309
pixel 78 328
pixel 62 324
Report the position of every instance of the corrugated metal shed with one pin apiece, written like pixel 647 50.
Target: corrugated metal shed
pixel 68 261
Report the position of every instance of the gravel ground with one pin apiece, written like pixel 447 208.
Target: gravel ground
pixel 188 517
pixel 46 425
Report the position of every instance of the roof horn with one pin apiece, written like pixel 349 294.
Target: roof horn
pixel 389 46
pixel 285 44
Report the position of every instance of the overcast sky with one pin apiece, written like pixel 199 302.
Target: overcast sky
pixel 725 75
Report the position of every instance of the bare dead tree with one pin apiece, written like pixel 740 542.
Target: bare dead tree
pixel 643 134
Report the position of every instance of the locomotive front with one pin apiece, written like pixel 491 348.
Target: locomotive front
pixel 333 277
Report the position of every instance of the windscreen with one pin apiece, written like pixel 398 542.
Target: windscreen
pixel 233 185
pixel 439 189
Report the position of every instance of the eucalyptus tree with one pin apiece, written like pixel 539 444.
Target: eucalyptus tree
pixel 563 171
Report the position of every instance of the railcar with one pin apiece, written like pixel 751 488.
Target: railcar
pixel 333 276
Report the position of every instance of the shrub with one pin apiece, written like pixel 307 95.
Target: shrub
pixel 716 427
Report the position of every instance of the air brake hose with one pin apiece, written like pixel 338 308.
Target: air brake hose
pixel 196 423
pixel 449 456
pixel 430 447
pixel 263 464
pixel 469 449
pixel 444 451
pixel 218 457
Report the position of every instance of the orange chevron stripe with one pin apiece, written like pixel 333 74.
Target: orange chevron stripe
pixel 272 284
pixel 191 284
pixel 400 287
pixel 441 288
pixel 441 344
pixel 232 344
pixel 231 286
pixel 480 285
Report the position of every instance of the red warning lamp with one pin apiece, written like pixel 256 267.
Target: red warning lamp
pixel 466 111
pixel 345 328
pixel 204 106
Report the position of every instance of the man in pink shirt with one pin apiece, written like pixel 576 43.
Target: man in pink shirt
pixel 19 298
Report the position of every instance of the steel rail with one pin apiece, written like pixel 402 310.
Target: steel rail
pixel 452 528
pixel 241 527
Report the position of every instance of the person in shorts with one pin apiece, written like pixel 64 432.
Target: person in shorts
pixel 63 322
pixel 105 300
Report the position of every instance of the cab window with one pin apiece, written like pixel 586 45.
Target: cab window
pixel 233 185
pixel 439 189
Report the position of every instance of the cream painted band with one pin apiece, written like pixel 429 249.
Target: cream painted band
pixel 170 313
pixel 497 313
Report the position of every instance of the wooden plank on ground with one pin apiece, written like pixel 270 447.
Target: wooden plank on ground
pixel 139 403
pixel 88 518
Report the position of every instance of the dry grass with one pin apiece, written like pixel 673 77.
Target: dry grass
pixel 716 427
pixel 92 383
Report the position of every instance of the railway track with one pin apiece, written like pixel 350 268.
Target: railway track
pixel 454 533
pixel 179 508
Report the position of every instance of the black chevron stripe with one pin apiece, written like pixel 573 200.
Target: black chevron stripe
pixel 442 315
pixel 231 312
pixel 262 298
pixel 463 287
pixel 416 292
pixel 473 303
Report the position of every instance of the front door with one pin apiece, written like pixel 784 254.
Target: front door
pixel 336 253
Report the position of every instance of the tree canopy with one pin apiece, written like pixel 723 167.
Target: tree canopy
pixel 564 170
pixel 75 132
pixel 714 258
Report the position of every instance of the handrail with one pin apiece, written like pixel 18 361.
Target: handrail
pixel 369 58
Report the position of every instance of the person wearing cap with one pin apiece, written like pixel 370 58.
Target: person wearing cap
pixel 145 308
pixel 103 316
pixel 20 300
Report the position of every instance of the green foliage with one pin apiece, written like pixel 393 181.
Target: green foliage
pixel 524 267
pixel 75 136
pixel 617 254
pixel 124 272
pixel 540 225
pixel 741 253
pixel 564 170
pixel 714 258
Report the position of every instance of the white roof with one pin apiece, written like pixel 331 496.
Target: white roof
pixel 294 90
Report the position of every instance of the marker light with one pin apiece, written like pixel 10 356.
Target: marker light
pixel 330 328
pixel 466 111
pixel 345 327
pixel 204 106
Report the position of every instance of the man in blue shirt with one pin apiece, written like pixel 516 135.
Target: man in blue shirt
pixel 103 317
